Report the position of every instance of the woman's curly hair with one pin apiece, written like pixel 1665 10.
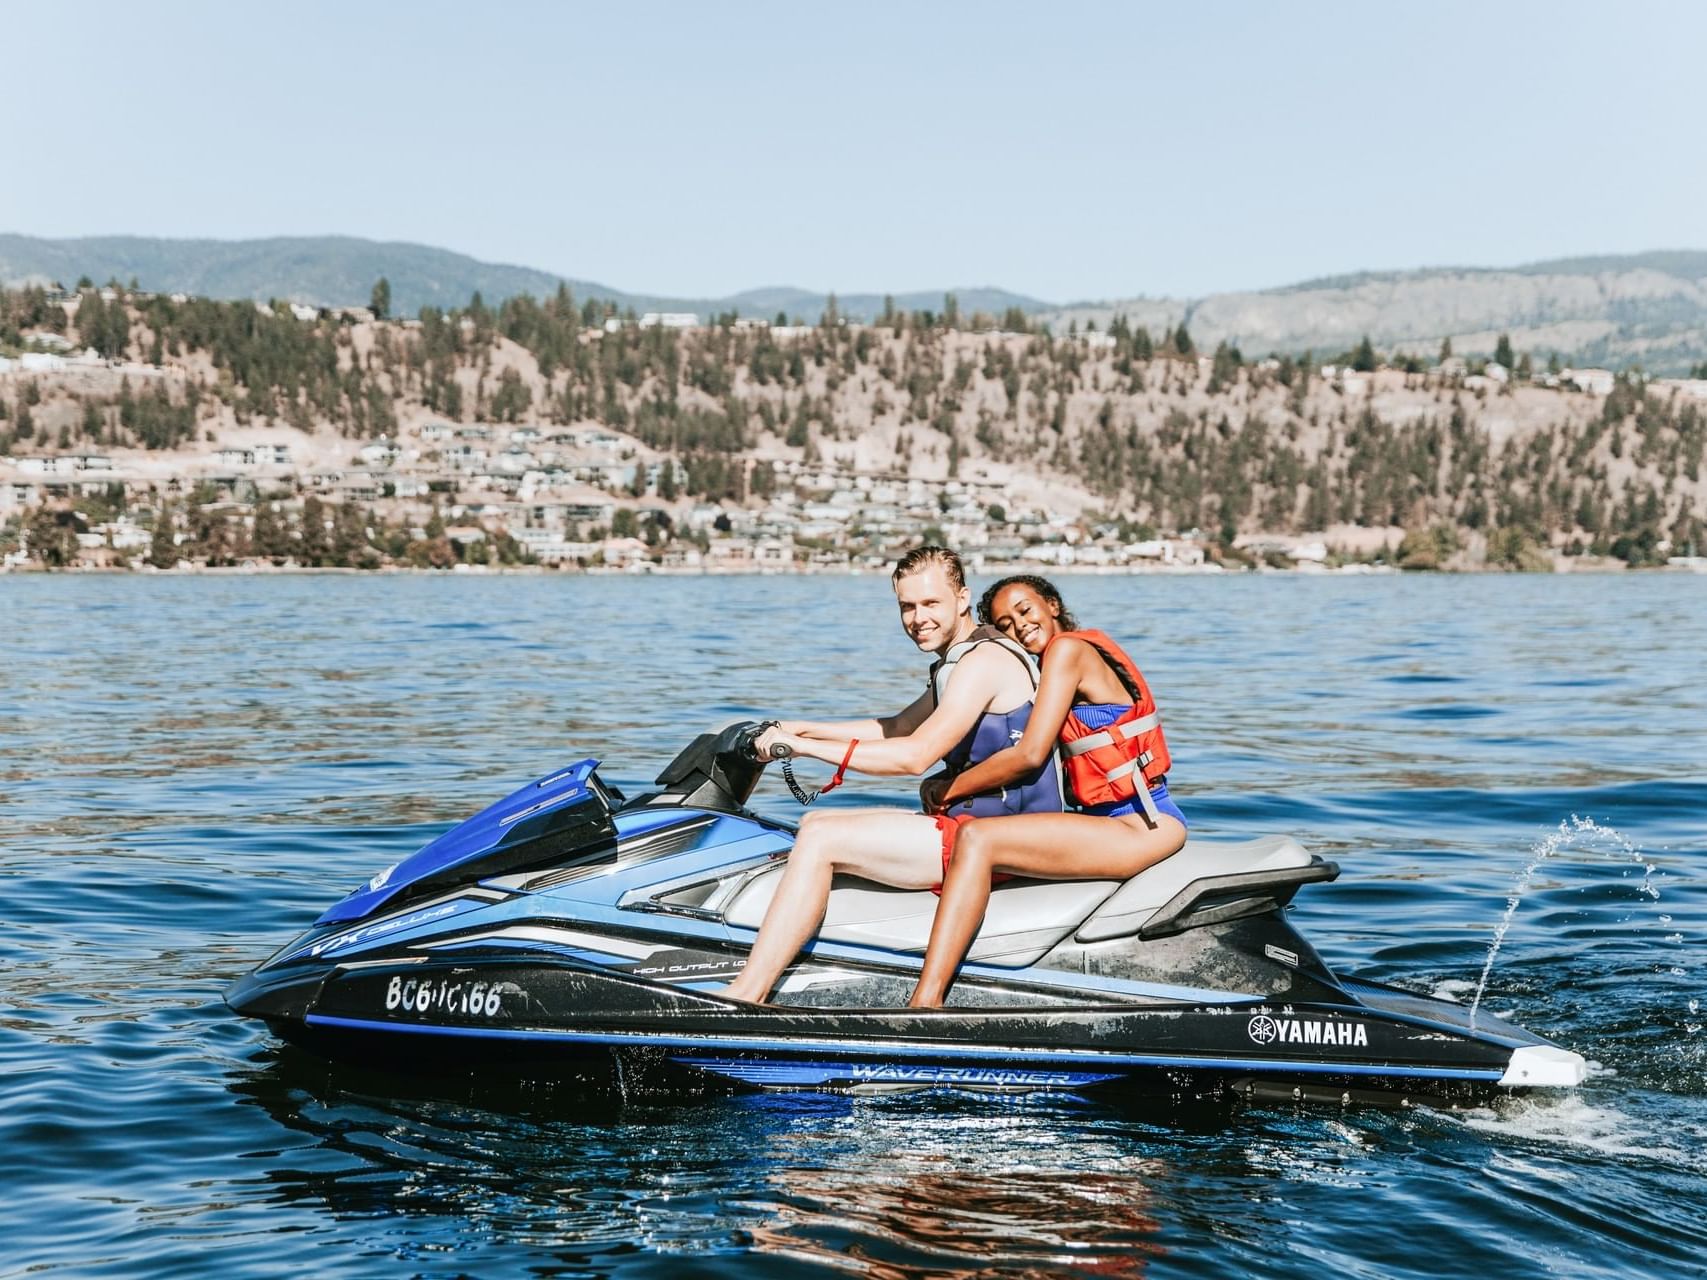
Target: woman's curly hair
pixel 1043 587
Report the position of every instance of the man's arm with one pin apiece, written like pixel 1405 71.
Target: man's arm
pixel 977 680
pixel 898 725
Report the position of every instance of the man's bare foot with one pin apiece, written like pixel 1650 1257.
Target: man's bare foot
pixel 730 993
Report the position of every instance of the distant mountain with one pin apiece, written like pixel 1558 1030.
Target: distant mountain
pixel 341 270
pixel 1647 308
pixel 319 270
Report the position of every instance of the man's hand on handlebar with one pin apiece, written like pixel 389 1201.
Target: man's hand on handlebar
pixel 764 746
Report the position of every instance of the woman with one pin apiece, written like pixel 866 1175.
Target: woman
pixel 1092 703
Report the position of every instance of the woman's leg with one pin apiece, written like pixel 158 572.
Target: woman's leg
pixel 1047 846
pixel 886 845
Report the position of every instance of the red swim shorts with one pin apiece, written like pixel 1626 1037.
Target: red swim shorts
pixel 949 825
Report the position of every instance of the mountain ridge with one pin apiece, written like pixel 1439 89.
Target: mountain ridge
pixel 1647 309
pixel 333 271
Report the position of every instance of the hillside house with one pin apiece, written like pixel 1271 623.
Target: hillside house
pixel 1597 382
pixel 625 553
pixel 257 455
pixel 381 453
pixel 359 486
pixel 514 462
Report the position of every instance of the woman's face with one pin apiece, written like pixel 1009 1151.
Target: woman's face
pixel 1021 612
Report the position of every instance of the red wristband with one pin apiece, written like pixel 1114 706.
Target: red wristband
pixel 841 770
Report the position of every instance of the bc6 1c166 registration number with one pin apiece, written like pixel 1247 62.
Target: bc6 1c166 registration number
pixel 444 995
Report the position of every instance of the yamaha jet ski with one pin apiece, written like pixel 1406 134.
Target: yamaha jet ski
pixel 567 928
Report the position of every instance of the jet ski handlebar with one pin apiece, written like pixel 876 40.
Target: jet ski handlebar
pixel 785 753
pixel 721 768
pixel 748 735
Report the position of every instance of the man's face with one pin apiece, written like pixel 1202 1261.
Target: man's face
pixel 931 608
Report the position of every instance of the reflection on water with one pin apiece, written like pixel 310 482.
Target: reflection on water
pixel 191 769
pixel 940 1191
pixel 949 1186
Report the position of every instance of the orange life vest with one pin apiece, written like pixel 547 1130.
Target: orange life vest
pixel 1104 765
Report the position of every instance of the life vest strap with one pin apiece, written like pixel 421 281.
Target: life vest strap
pixel 1108 737
pixel 1147 803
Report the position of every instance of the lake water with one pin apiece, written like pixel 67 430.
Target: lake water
pixel 191 768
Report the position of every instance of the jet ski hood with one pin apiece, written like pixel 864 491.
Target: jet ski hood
pixel 567 810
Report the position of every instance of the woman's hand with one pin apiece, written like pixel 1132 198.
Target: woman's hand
pixel 931 792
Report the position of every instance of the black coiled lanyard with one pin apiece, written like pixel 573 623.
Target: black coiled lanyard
pixel 785 754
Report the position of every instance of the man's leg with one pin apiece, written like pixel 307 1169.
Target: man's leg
pixel 886 845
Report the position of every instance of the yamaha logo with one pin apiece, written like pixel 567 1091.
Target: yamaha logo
pixel 1266 1030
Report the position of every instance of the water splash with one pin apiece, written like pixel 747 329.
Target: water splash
pixel 1566 1120
pixel 1573 832
pixel 621 1079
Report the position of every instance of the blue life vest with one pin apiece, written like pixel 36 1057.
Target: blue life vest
pixel 1041 790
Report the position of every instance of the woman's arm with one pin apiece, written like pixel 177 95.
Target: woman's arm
pixel 1063 666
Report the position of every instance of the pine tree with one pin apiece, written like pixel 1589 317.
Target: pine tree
pixel 312 546
pixel 163 547
pixel 379 301
pixel 349 538
pixel 271 538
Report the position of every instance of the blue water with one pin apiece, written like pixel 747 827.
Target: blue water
pixel 191 768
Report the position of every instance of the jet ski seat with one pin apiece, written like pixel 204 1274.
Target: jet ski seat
pixel 1146 893
pixel 1026 918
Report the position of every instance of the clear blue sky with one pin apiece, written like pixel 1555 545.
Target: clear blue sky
pixel 1067 151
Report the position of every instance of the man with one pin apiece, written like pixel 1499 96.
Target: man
pixel 979 697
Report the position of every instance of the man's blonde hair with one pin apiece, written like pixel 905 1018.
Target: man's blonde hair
pixel 924 557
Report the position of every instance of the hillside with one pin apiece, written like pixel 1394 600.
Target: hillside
pixel 1108 431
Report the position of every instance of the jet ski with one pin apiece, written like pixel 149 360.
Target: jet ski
pixel 568 929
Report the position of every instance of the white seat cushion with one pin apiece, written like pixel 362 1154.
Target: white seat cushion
pixel 1025 918
pixel 1145 893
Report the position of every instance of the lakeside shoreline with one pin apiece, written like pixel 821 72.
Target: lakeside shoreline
pixel 1613 569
